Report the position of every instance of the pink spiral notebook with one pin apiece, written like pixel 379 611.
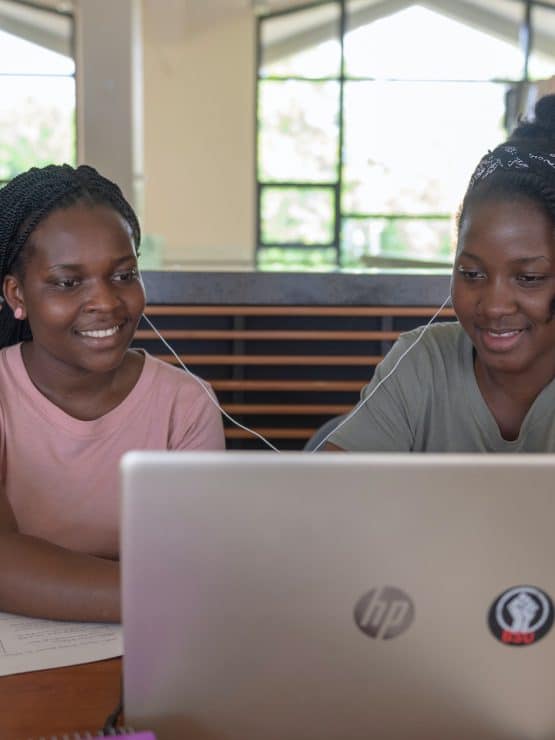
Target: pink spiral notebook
pixel 121 733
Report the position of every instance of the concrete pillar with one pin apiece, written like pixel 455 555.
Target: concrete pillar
pixel 109 91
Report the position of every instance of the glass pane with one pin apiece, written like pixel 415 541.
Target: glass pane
pixel 295 258
pixel 411 148
pixel 298 139
pixel 417 43
pixel 382 242
pixel 41 41
pixel 36 123
pixel 302 44
pixel 542 59
pixel 297 216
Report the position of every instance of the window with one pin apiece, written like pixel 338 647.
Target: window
pixel 370 122
pixel 37 88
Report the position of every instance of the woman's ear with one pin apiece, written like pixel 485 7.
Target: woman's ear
pixel 14 297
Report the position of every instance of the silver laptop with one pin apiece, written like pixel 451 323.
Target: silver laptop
pixel 339 596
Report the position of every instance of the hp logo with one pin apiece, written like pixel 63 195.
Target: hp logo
pixel 384 613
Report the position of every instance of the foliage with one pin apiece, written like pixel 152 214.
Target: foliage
pixel 35 134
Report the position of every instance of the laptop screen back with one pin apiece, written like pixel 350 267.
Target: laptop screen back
pixel 338 596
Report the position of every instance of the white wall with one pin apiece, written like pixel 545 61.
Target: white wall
pixel 199 119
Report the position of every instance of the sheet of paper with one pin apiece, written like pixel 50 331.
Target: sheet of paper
pixel 36 644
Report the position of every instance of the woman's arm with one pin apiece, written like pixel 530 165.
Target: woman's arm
pixel 39 579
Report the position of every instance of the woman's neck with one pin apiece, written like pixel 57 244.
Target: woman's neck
pixel 83 395
pixel 509 396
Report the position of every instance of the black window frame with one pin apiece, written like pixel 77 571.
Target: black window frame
pixel 526 36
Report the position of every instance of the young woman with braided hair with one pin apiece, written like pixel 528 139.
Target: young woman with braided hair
pixel 73 396
pixel 487 382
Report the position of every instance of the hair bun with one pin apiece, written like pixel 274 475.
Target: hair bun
pixel 540 130
pixel 545 113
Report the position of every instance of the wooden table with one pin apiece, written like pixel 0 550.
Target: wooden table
pixel 58 701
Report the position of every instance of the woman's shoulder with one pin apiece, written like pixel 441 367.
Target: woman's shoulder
pixel 10 353
pixel 11 362
pixel 177 390
pixel 441 332
pixel 164 368
pixel 173 379
pixel 446 339
pixel 440 350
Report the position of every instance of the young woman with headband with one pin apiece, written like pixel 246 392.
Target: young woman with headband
pixel 487 382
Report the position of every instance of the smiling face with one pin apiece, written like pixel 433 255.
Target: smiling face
pixel 504 287
pixel 80 290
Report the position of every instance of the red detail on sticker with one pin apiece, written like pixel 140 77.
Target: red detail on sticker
pixel 518 638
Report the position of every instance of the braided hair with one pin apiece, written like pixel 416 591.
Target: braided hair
pixel 521 167
pixel 27 200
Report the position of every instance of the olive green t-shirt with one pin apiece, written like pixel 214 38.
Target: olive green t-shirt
pixel 432 403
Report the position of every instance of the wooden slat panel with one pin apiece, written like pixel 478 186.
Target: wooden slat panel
pixel 287 408
pixel 237 361
pixel 415 311
pixel 270 335
pixel 274 359
pixel 270 433
pixel 287 385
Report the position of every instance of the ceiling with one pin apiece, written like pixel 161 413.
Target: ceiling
pixel 48 29
pixel 499 17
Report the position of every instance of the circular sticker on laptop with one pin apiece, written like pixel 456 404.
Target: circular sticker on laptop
pixel 384 613
pixel 521 616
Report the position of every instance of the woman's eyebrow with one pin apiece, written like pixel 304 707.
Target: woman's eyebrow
pixel 517 260
pixel 64 266
pixel 524 260
pixel 468 255
pixel 79 265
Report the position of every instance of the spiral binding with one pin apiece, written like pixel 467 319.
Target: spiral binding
pixel 122 732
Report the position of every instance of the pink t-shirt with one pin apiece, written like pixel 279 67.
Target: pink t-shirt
pixel 61 474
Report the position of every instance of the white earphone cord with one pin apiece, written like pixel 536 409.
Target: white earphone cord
pixel 207 391
pixel 364 400
pixel 349 416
